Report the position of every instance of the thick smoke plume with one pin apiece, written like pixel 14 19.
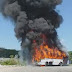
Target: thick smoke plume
pixel 33 19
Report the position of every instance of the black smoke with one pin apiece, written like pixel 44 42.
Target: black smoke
pixel 34 18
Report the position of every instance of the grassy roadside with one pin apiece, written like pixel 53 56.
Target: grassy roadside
pixel 12 61
pixel 70 64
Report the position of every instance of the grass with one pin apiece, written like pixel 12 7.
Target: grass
pixel 13 61
pixel 70 64
pixel 10 62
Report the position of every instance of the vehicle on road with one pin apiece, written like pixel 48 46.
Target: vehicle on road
pixel 49 62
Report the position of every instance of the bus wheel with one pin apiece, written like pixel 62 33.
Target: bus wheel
pixel 61 64
pixel 46 64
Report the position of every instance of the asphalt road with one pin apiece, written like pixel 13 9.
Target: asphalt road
pixel 35 69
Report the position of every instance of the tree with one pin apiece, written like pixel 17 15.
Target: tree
pixel 70 56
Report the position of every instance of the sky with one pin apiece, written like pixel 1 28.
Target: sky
pixel 9 41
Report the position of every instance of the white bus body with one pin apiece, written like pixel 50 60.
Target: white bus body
pixel 47 61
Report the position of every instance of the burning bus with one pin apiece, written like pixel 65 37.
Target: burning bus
pixel 49 56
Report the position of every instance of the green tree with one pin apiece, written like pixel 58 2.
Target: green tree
pixel 70 56
pixel 11 56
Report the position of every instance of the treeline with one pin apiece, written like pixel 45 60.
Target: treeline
pixel 5 53
pixel 70 56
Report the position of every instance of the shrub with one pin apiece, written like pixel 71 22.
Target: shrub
pixel 10 62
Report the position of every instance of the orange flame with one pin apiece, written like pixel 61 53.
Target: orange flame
pixel 45 52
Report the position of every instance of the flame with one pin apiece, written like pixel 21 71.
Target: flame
pixel 45 52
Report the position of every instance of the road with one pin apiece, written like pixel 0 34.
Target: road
pixel 35 69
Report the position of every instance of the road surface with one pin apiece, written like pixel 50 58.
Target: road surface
pixel 35 69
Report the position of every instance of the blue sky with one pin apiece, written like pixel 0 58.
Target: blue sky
pixel 65 31
pixel 7 35
pixel 9 41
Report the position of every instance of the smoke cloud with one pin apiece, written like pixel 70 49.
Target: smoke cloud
pixel 34 18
